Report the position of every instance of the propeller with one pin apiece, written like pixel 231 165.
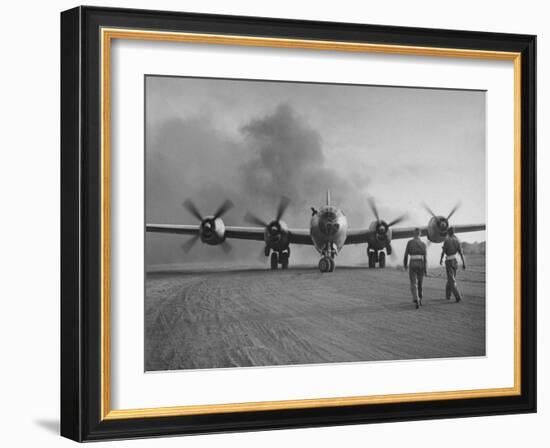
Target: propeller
pixel 373 208
pixel 192 208
pixel 382 227
pixel 428 209
pixel 188 245
pixel 253 219
pixel 223 209
pixel 455 208
pixel 274 229
pixel 226 246
pixel 398 220
pixel 274 226
pixel 442 221
pixel 207 225
pixel 281 209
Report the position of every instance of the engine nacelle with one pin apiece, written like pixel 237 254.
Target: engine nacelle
pixel 212 231
pixel 276 235
pixel 437 229
pixel 381 235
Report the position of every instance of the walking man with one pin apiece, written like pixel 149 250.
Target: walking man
pixel 452 247
pixel 415 257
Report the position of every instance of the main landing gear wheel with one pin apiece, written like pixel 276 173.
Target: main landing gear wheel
pixel 274 260
pixel 382 260
pixel 283 259
pixel 372 260
pixel 332 265
pixel 325 264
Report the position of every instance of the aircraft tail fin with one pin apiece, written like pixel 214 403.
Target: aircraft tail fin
pixel 328 197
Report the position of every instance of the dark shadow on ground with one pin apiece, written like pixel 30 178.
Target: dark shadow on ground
pixel 230 270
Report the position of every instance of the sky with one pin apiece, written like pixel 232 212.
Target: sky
pixel 255 141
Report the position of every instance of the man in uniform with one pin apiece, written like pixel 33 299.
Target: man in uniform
pixel 415 257
pixel 452 247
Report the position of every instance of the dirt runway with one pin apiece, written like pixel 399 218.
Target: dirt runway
pixel 240 318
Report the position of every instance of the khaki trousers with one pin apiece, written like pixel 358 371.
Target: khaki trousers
pixel 451 288
pixel 416 277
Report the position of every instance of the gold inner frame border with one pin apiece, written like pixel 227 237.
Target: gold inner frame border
pixel 107 35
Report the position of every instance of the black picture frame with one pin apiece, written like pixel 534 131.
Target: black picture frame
pixel 81 224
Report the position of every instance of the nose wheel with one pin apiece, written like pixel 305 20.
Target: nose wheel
pixel 326 264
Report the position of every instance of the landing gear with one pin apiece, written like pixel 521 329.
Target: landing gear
pixel 372 259
pixel 327 264
pixel 377 256
pixel 281 257
pixel 274 260
pixel 381 259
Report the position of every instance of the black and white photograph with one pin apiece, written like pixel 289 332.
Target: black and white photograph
pixel 291 223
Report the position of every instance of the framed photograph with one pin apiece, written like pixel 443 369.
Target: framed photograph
pixel 273 223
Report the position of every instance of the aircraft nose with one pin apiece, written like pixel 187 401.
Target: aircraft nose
pixel 329 227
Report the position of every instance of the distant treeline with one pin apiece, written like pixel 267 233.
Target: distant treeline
pixel 474 248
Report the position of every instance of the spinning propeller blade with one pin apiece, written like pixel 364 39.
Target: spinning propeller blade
pixel 281 208
pixel 253 219
pixel 223 209
pixel 283 205
pixel 373 208
pixel 261 255
pixel 455 208
pixel 227 247
pixel 188 245
pixel 192 208
pixel 428 209
pixel 393 255
pixel 208 224
pixel 398 220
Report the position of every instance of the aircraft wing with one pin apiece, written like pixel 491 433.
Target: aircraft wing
pixel 173 228
pixel 300 236
pixel 245 233
pixel 359 236
pixel 295 236
pixel 408 232
pixel 241 233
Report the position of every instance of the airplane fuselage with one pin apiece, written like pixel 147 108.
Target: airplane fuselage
pixel 328 229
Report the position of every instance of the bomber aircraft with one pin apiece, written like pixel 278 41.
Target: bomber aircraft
pixel 328 232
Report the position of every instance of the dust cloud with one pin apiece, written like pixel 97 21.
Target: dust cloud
pixel 273 155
